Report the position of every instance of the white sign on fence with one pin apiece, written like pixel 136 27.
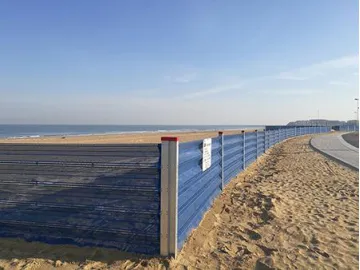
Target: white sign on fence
pixel 206 160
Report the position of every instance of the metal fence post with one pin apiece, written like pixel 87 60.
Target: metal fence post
pixel 257 143
pixel 221 134
pixel 243 133
pixel 169 195
pixel 264 141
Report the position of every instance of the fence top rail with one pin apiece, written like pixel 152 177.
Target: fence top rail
pixel 79 145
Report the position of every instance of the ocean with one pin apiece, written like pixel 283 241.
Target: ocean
pixel 20 131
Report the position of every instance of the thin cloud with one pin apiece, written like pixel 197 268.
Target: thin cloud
pixel 185 78
pixel 291 92
pixel 300 74
pixel 290 76
pixel 220 89
pixel 319 69
pixel 340 83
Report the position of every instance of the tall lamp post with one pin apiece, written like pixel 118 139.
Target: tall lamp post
pixel 357 110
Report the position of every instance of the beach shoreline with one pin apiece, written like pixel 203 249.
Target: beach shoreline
pixel 133 137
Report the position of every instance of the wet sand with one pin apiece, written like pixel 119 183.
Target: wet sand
pixel 293 208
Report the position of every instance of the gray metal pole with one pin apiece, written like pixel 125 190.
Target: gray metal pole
pixel 244 153
pixel 169 195
pixel 221 134
pixel 257 143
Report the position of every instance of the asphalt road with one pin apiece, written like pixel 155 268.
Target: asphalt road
pixel 352 138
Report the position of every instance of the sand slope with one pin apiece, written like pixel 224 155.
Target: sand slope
pixel 293 209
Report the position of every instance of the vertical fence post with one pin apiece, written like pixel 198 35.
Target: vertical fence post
pixel 264 140
pixel 169 195
pixel 257 142
pixel 221 135
pixel 243 133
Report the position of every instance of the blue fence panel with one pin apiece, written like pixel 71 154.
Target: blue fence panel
pixel 87 195
pixel 233 156
pixel 348 128
pixel 196 188
pixel 293 132
pixel 276 135
pixel 280 135
pixel 272 137
pixel 250 148
pixel 261 143
pixel 266 140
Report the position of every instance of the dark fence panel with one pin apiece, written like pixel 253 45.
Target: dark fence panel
pixel 196 188
pixel 346 128
pixel 233 155
pixel 261 143
pixel 250 147
pixel 97 195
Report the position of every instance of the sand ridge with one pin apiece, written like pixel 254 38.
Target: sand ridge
pixel 291 209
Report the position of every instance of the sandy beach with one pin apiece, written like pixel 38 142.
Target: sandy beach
pixel 292 209
pixel 148 137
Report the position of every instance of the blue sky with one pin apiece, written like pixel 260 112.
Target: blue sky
pixel 177 62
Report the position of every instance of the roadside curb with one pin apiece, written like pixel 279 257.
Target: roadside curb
pixel 346 144
pixel 344 163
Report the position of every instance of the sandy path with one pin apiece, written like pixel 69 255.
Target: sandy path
pixel 293 209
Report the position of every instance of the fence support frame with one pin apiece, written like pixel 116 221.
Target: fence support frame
pixel 264 140
pixel 243 133
pixel 257 143
pixel 169 196
pixel 221 134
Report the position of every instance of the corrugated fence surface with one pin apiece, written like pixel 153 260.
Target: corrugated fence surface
pixel 196 188
pixel 250 147
pixel 233 156
pixel 99 195
pixel 348 128
pixel 109 195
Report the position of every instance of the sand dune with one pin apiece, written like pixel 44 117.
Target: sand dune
pixel 293 209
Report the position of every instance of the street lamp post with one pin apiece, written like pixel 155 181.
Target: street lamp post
pixel 357 110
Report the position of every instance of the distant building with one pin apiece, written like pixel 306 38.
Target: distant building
pixel 321 122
